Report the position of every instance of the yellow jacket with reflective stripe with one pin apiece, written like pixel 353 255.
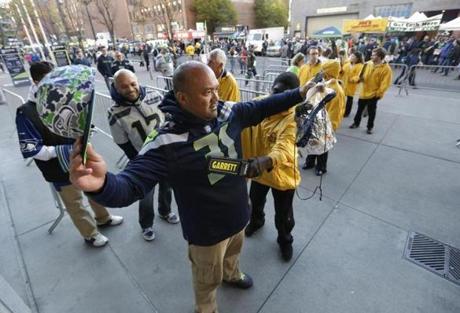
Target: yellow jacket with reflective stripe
pixel 377 80
pixel 336 108
pixel 274 137
pixel 344 69
pixel 352 79
pixel 308 71
pixel 228 88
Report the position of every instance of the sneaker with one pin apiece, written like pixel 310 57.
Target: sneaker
pixel 114 220
pixel 148 234
pixel 245 282
pixel 286 251
pixel 252 228
pixel 369 131
pixel 171 218
pixel 353 126
pixel 97 241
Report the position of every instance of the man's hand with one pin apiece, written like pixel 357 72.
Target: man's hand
pixel 89 177
pixel 258 165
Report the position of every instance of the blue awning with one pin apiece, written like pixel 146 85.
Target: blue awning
pixel 328 32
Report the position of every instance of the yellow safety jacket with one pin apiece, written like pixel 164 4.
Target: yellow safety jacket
pixel 352 79
pixel 344 69
pixel 274 137
pixel 377 80
pixel 308 71
pixel 228 88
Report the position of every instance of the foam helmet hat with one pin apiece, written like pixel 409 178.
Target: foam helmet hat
pixel 64 100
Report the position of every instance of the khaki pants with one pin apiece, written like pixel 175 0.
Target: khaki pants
pixel 81 218
pixel 211 265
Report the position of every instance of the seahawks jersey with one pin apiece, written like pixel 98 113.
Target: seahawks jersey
pixel 134 122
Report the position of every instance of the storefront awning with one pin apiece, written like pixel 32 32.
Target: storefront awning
pixel 328 32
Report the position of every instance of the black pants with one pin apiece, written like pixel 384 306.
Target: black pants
pixel 348 106
pixel 320 160
pixel 146 213
pixel 284 215
pixel 371 105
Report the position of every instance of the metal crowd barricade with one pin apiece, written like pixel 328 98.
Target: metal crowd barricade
pixel 434 77
pixel 247 94
pixel 400 76
pixel 163 81
pixel 254 84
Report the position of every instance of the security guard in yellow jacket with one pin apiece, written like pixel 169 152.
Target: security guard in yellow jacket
pixel 376 80
pixel 351 79
pixel 335 109
pixel 228 87
pixel 311 68
pixel 275 138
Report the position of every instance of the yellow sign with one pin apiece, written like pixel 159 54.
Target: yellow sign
pixel 378 25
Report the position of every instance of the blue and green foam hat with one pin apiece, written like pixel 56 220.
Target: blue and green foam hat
pixel 65 100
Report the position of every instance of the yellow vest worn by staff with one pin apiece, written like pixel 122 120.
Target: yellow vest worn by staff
pixel 344 70
pixel 228 88
pixel 377 80
pixel 352 79
pixel 336 107
pixel 275 137
pixel 308 71
pixel 190 50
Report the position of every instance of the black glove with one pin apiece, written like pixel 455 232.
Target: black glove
pixel 258 165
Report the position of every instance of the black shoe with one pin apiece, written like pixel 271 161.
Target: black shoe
pixel 307 166
pixel 353 126
pixel 286 251
pixel 369 131
pixel 245 282
pixel 319 172
pixel 252 228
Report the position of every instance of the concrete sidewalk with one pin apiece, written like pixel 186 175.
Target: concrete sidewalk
pixel 348 247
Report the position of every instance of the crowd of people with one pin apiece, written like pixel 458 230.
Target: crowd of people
pixel 169 139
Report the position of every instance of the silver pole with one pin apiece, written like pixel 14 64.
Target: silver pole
pixel 33 29
pixel 25 26
pixel 47 44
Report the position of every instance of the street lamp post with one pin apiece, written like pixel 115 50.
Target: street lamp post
pixel 86 3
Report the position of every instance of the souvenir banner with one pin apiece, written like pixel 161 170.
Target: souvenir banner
pixel 378 25
pixel 430 24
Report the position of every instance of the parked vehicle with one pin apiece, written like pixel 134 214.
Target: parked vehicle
pixel 256 37
pixel 274 49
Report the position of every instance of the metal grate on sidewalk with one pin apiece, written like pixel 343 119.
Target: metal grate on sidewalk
pixel 434 256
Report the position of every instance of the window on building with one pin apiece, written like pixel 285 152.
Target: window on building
pixel 396 10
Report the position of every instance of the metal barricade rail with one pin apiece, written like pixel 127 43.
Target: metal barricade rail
pixel 247 94
pixel 445 78
pixel 400 75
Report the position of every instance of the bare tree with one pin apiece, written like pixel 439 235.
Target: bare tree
pixel 163 12
pixel 75 19
pixel 106 16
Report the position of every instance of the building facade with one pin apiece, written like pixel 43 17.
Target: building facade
pixel 317 15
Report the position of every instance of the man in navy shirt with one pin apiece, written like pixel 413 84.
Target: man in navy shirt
pixel 213 207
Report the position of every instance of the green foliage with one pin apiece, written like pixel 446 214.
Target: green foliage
pixel 215 13
pixel 271 13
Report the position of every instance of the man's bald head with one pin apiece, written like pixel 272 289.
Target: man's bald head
pixel 126 84
pixel 195 88
pixel 121 75
pixel 188 74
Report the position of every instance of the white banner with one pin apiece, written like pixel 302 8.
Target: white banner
pixel 430 24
